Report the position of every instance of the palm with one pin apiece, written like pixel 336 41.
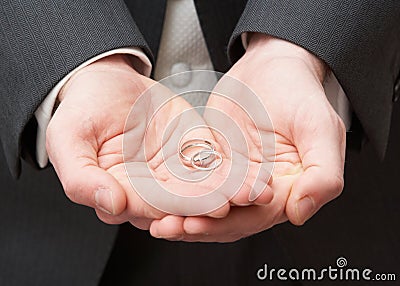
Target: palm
pixel 138 146
pixel 307 147
pixel 297 111
pixel 158 123
pixel 267 152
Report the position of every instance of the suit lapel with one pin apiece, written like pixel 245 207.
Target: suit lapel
pixel 218 20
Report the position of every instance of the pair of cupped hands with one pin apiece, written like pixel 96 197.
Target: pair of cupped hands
pixel 86 134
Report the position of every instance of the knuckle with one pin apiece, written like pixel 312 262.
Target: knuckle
pixel 68 190
pixel 336 185
pixel 152 213
pixel 143 210
pixel 109 219
pixel 143 224
pixel 72 190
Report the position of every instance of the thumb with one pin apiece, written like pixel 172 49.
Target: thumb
pixel 321 147
pixel 312 189
pixel 72 148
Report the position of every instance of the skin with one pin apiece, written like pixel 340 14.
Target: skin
pixel 84 141
pixel 309 144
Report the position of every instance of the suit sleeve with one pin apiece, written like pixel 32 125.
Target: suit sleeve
pixel 358 39
pixel 40 43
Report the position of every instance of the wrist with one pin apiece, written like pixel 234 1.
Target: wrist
pixel 110 64
pixel 271 48
pixel 116 61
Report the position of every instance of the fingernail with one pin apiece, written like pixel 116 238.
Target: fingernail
pixel 104 201
pixel 304 209
pixel 254 195
pixel 174 237
pixel 217 215
pixel 157 235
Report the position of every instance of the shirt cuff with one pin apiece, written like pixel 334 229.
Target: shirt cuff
pixel 333 91
pixel 43 114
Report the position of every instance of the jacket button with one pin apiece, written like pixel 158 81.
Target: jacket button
pixel 396 90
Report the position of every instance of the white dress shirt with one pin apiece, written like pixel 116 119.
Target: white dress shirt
pixel 182 48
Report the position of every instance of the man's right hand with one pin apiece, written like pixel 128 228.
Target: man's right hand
pixel 84 140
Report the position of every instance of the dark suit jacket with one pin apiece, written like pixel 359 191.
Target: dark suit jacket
pixel 46 240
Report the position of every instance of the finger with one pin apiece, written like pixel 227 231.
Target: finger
pixel 72 149
pixel 109 219
pixel 170 227
pixel 241 222
pixel 321 146
pixel 264 196
pixel 141 223
pixel 245 145
pixel 182 125
pixel 174 122
pixel 314 188
pixel 256 188
pixel 220 212
pixel 136 187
